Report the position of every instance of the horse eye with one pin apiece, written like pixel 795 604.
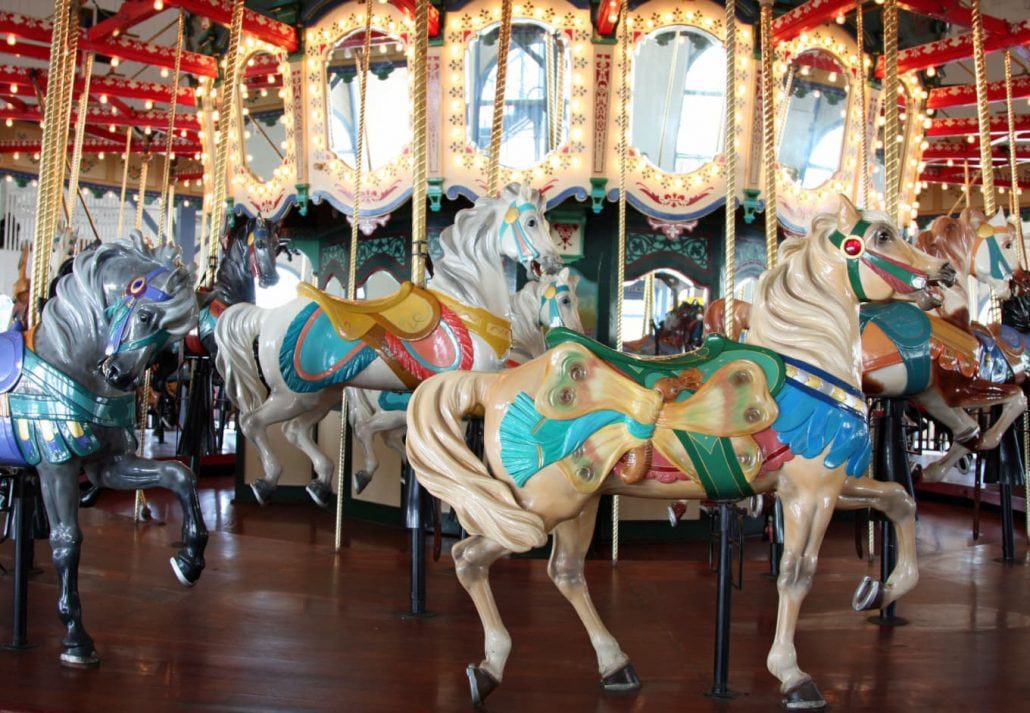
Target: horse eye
pixel 145 317
pixel 531 223
pixel 883 236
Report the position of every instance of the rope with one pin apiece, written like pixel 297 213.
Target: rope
pixel 64 45
pixel 497 120
pixel 769 133
pixel 866 178
pixel 620 269
pixel 125 183
pixel 229 123
pixel 166 177
pixel 352 269
pixel 419 144
pixel 730 154
pixel 891 147
pixel 80 135
pixel 983 116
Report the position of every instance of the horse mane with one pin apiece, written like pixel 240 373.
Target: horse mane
pixel 526 338
pixel 472 245
pixel 800 308
pixel 79 308
pixel 233 282
pixel 951 239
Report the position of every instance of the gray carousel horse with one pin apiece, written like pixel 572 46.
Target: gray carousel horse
pixel 67 388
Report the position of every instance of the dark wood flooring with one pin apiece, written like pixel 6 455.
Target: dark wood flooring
pixel 279 623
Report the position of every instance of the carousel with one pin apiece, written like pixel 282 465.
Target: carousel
pixel 328 303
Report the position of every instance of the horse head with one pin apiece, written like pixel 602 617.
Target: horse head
pixel 559 306
pixel 878 264
pixel 263 250
pixel 123 302
pixel 993 252
pixel 523 230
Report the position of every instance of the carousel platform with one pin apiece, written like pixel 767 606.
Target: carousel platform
pixel 278 623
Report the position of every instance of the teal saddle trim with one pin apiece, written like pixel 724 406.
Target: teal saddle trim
pixel 323 357
pixel 57 424
pixel 908 327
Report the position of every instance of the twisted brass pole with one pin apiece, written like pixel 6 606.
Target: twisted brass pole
pixel 865 178
pixel 141 197
pixel 166 177
pixel 80 135
pixel 768 133
pixel 125 183
pixel 420 144
pixel 497 120
pixel 1013 170
pixel 891 146
pixel 730 167
pixel 982 113
pixel 352 269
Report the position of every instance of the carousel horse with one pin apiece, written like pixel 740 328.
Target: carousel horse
pixel 314 346
pixel 68 392
pixel 942 361
pixel 541 304
pixel 782 412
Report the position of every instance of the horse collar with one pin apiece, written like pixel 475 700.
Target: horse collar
pixel 119 314
pixel 513 221
pixel 900 277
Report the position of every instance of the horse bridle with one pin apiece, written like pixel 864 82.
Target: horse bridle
pixel 119 314
pixel 902 278
pixel 549 300
pixel 1000 268
pixel 513 221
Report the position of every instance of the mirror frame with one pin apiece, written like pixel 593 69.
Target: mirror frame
pixel 265 197
pixel 679 197
pixel 796 206
pixel 330 178
pixel 466 166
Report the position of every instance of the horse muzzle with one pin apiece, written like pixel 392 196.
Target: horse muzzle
pixel 946 276
pixel 118 376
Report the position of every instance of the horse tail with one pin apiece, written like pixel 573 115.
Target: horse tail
pixel 235 332
pixel 446 467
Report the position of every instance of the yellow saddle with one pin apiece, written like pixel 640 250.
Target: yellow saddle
pixel 410 313
pixel 954 348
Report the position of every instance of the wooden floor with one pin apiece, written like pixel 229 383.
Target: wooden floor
pixel 278 623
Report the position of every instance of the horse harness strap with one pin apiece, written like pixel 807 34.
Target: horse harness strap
pixel 900 277
pixel 1000 268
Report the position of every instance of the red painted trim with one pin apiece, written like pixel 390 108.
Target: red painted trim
pixel 811 14
pixel 951 49
pixel 130 14
pixel 964 127
pixel 606 19
pixel 957 178
pixel 254 23
pixel 942 151
pixel 953 12
pixel 965 94
pixel 408 8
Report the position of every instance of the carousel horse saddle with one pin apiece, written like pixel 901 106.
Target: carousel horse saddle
pixel 896 333
pixel 713 354
pixel 411 313
pixel 954 348
pixel 12 352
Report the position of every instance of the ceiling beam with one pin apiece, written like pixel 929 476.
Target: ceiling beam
pixel 130 14
pixel 957 178
pixel 109 85
pixel 965 94
pixel 952 12
pixel 964 127
pixel 944 151
pixel 952 49
pixel 255 24
pixel 810 14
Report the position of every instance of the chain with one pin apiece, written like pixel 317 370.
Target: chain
pixel 863 108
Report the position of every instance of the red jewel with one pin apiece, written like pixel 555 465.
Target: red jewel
pixel 853 247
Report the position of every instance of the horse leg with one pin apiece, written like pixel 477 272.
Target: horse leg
pixel 60 487
pixel 472 559
pixel 808 492
pixel 964 429
pixel 255 427
pixel 571 541
pixel 130 472
pixel 1012 408
pixel 299 431
pixel 365 431
pixel 897 505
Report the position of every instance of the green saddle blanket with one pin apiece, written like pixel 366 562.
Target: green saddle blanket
pixel 713 354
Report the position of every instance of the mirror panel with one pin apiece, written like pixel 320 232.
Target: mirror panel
pixel 878 154
pixel 263 115
pixel 387 100
pixel 678 106
pixel 536 92
pixel 813 128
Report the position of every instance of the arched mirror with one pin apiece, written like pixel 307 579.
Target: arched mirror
pixel 812 137
pixel 677 308
pixel 387 100
pixel 263 115
pixel 678 110
pixel 536 92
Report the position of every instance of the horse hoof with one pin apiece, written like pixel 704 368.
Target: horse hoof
pixel 321 494
pixel 88 496
pixel 186 571
pixel 361 481
pixel 805 696
pixel 625 679
pixel 481 684
pixel 868 595
pixel 80 657
pixel 675 513
pixel 262 491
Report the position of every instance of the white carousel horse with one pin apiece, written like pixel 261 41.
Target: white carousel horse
pixel 783 412
pixel 540 304
pixel 314 346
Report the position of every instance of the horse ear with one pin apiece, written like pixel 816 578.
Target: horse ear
pixel 847 215
pixel 563 275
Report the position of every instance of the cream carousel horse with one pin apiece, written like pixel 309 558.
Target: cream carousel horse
pixel 937 359
pixel 540 304
pixel 783 413
pixel 314 346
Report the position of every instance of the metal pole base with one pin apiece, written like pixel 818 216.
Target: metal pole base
pixel 720 688
pixel 415 522
pixel 23 507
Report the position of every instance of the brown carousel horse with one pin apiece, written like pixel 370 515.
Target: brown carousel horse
pixel 782 412
pixel 943 361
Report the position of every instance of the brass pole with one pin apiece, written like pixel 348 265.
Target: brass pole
pixel 983 116
pixel 730 167
pixel 891 145
pixel 166 177
pixel 497 121
pixel 769 133
pixel 419 144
